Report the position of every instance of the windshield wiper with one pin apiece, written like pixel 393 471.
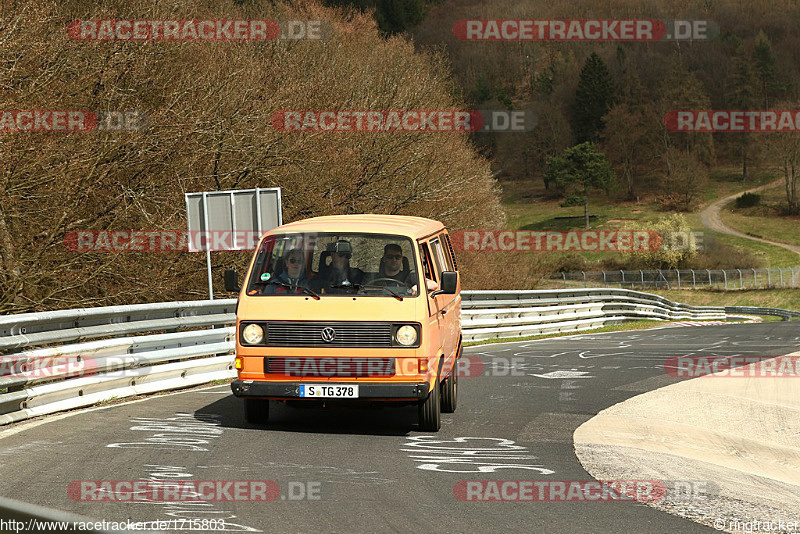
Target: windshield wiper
pixel 392 292
pixel 305 290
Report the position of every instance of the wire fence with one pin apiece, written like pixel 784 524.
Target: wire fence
pixel 773 278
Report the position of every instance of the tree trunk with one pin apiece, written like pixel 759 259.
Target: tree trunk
pixel 794 205
pixel 629 180
pixel 11 275
pixel 744 163
pixel 586 210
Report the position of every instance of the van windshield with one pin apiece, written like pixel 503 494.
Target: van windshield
pixel 331 264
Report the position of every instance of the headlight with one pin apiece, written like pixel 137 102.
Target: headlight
pixel 253 334
pixel 406 335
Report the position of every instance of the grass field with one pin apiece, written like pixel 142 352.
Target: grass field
pixel 728 181
pixel 765 220
pixel 528 208
pixel 788 299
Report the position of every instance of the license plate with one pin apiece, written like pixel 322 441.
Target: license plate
pixel 329 391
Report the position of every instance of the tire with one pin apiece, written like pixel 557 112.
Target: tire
pixel 430 411
pixel 450 391
pixel 256 411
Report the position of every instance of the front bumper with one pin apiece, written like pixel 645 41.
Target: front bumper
pixel 366 390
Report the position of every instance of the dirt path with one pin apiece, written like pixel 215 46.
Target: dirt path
pixel 712 219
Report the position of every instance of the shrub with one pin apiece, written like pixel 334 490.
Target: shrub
pixel 678 247
pixel 748 200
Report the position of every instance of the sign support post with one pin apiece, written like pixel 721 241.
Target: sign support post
pixel 211 215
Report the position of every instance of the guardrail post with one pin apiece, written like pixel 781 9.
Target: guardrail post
pixel 642 274
pixel 741 282
pixel 623 278
pixel 584 278
pixel 679 277
pixel 709 278
pixel 755 279
pixel 564 274
pixel 604 278
pixel 725 276
pixel 694 281
pixel 781 273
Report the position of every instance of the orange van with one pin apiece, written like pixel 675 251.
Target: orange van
pixel 350 309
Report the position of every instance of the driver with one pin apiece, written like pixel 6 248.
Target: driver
pixel 392 264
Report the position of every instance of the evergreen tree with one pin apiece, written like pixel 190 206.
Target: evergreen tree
pixel 765 66
pixel 578 171
pixel 393 16
pixel 630 142
pixel 682 90
pixel 744 89
pixel 594 98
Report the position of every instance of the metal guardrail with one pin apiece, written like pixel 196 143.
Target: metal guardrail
pixel 30 329
pixel 502 314
pixel 729 279
pixel 47 379
pixel 778 312
pixel 56 360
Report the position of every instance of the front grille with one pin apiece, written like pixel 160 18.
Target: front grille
pixel 330 367
pixel 347 334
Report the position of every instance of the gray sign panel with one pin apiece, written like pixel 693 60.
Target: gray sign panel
pixel 231 220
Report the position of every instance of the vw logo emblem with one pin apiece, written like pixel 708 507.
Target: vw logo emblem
pixel 328 334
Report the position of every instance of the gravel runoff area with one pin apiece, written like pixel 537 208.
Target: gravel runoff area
pixel 736 438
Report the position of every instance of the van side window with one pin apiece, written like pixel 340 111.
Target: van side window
pixel 438 255
pixel 452 252
pixel 427 264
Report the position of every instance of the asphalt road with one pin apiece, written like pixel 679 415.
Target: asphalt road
pixel 370 470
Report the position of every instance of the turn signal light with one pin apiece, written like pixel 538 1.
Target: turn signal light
pixel 423 366
pixel 237 363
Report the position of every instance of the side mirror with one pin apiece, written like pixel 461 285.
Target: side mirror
pixel 232 281
pixel 449 284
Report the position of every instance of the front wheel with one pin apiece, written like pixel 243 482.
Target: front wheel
pixel 430 414
pixel 256 411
